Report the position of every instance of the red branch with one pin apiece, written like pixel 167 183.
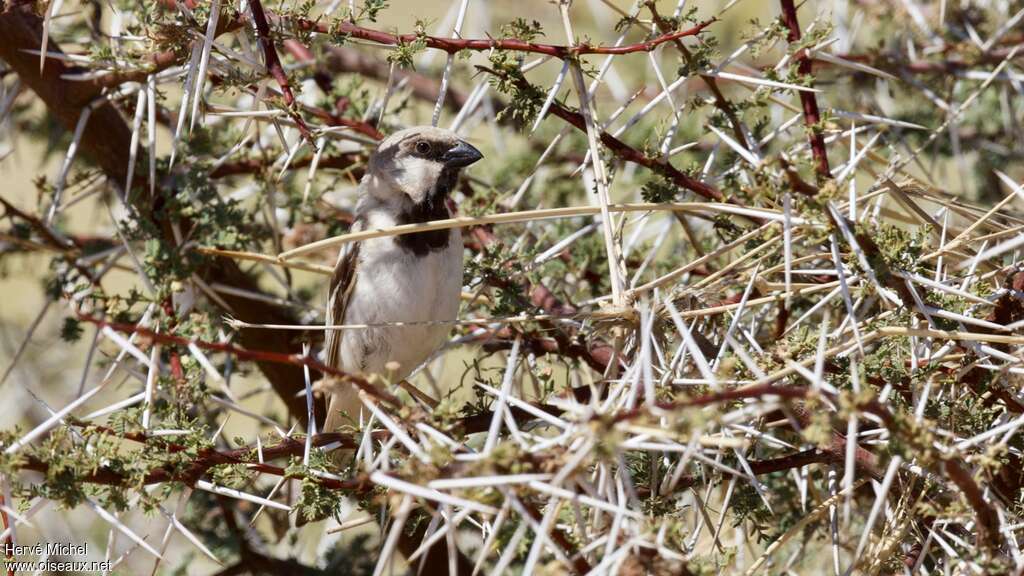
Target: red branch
pixel 834 452
pixel 342 161
pixel 245 354
pixel 791 392
pixel 207 458
pixel 364 128
pixel 274 67
pixel 597 354
pixel 988 519
pixel 810 104
pixel 453 45
pixel 627 152
pixel 721 102
pixel 790 461
pixel 162 60
pixel 630 154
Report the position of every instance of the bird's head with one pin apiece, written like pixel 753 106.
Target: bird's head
pixel 421 163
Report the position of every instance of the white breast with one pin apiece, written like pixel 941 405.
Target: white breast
pixel 395 285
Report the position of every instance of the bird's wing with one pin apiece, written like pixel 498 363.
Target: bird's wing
pixel 342 283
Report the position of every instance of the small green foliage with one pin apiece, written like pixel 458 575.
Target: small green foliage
pixel 316 501
pixel 498 268
pixel 370 10
pixel 229 475
pixel 691 16
pixel 701 58
pixel 521 29
pixel 355 555
pixel 726 227
pixel 809 38
pixel 403 54
pixel 899 248
pixel 749 508
pixel 71 330
pixel 764 37
pixel 197 208
pixel 625 23
pixel 660 189
pixel 525 99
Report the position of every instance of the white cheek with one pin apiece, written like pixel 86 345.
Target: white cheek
pixel 417 179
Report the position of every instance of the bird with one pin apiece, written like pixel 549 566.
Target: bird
pixel 413 278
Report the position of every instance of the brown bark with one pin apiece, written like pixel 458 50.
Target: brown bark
pixel 106 141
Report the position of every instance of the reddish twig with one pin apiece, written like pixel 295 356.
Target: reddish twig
pixel 303 54
pixel 330 119
pixel 342 161
pixel 453 45
pixel 597 355
pixel 812 117
pixel 163 60
pixel 758 391
pixel 274 68
pixel 625 151
pixel 795 181
pixel 207 458
pixel 721 102
pixel 323 80
pixel 988 519
pixel 630 154
pixel 246 354
pixel 790 461
pixel 343 59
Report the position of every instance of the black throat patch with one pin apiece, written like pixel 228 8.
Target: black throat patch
pixel 431 208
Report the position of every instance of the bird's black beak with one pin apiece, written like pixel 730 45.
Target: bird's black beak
pixel 461 155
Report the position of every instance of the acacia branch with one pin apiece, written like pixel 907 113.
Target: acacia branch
pixel 261 356
pixel 630 154
pixel 625 151
pixel 164 60
pixel 721 102
pixel 342 59
pixel 207 458
pixel 453 45
pixel 988 519
pixel 106 141
pixel 273 62
pixel 597 355
pixel 812 116
pixel 895 62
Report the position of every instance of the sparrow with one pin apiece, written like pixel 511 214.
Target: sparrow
pixel 412 278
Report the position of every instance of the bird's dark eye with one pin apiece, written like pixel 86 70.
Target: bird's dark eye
pixel 422 147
